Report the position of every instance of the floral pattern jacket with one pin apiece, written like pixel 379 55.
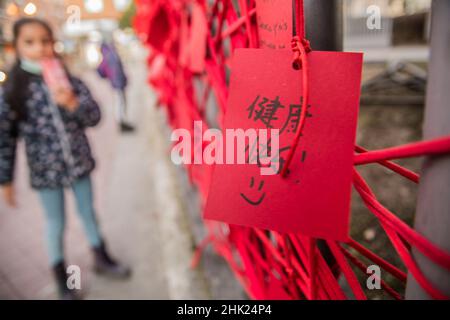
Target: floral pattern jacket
pixel 57 148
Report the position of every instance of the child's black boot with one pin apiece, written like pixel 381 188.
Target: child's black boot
pixel 105 265
pixel 59 271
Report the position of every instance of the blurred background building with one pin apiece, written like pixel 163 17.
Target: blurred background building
pixel 402 22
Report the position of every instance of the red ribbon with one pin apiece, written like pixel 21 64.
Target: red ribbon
pixel 300 46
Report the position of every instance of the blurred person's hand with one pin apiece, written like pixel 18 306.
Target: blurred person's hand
pixel 9 195
pixel 66 98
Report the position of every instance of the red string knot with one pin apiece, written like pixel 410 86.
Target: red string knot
pixel 296 42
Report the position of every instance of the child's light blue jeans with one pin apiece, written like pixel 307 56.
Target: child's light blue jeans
pixel 54 207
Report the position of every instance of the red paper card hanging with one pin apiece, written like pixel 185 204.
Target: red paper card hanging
pixel 274 23
pixel 161 27
pixel 198 33
pixel 314 199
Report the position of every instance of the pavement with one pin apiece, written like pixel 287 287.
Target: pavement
pixel 146 209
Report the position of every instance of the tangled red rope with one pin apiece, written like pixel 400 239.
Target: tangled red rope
pixel 270 265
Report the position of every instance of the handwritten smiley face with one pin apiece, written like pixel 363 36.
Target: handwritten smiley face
pixel 261 194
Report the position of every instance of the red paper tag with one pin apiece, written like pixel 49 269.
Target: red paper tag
pixel 160 28
pixel 265 92
pixel 274 23
pixel 198 32
pixel 193 39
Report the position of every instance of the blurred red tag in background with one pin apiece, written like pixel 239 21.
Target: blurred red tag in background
pixel 54 74
pixel 265 92
pixel 199 32
pixel 193 34
pixel 274 23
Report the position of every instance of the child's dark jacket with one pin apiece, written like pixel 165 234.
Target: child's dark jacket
pixel 57 148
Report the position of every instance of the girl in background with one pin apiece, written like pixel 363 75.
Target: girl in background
pixel 52 123
pixel 111 68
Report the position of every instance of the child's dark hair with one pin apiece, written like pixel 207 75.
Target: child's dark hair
pixel 17 83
